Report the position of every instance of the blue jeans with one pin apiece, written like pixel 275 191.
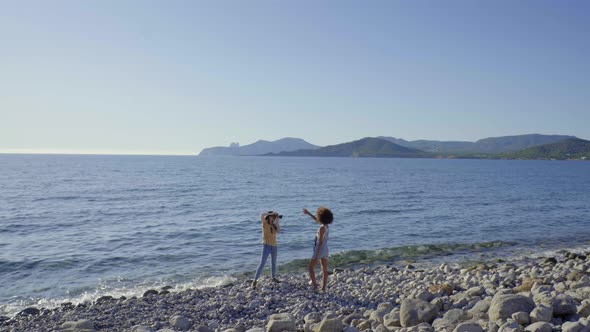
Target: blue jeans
pixel 267 250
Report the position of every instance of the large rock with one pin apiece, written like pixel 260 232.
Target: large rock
pixel 82 325
pixel 414 312
pixel 522 318
pixel 584 309
pixel 392 319
pixel 475 291
pixel 441 324
pixel 504 305
pixel 541 314
pixel 329 325
pixel 539 327
pixel 382 310
pixel 510 327
pixel 573 327
pixel 481 308
pixel 29 312
pixel 456 316
pixel 564 305
pixel 350 329
pixel 180 323
pixel 468 327
pixel 280 323
pixel 141 328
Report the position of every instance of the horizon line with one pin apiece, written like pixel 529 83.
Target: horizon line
pixel 97 154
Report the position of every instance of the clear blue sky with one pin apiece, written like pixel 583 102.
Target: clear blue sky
pixel 173 77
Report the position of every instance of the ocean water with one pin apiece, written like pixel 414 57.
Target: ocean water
pixel 73 228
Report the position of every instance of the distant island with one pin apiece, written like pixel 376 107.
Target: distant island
pixel 260 147
pixel 533 146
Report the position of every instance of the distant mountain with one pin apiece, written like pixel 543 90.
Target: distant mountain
pixel 432 146
pixel 260 147
pixel 515 143
pixel 572 148
pixel 487 145
pixel 366 147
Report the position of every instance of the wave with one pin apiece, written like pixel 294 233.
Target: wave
pixel 56 198
pixel 376 211
pixel 104 289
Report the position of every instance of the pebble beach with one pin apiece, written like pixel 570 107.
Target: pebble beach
pixel 541 294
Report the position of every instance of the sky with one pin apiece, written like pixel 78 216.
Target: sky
pixel 174 77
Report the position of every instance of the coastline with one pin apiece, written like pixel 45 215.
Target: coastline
pixel 375 298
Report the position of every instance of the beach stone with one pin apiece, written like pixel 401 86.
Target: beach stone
pixel 441 324
pixel 364 325
pixel 280 323
pixel 573 327
pixel 150 292
pixel 312 317
pixel 584 308
pixel 255 329
pixel 180 323
pixel 82 325
pixel 468 327
pixel 480 308
pixel 504 305
pixel 392 319
pixel 460 300
pixel 414 312
pixel 204 328
pixel 541 314
pixel 456 316
pixel 521 317
pixel 29 312
pixel 103 299
pixel 422 327
pixel 423 295
pixel 350 329
pixel 350 318
pixel 382 310
pixel 539 327
pixel 509 327
pixel 328 325
pixel 475 291
pixel 564 305
pixel 140 328
pixel 446 289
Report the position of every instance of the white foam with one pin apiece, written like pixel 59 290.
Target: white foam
pixel 104 289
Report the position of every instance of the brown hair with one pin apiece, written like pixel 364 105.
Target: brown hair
pixel 325 216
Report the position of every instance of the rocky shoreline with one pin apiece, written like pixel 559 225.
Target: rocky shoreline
pixel 547 294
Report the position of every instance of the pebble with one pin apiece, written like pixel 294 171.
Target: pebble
pixel 552 293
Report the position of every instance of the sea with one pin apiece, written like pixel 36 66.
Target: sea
pixel 77 227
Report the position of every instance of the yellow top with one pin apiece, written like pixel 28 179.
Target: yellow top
pixel 269 233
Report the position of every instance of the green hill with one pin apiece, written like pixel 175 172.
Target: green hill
pixel 573 148
pixel 502 144
pixel 366 147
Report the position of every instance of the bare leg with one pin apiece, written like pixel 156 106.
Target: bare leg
pixel 312 264
pixel 324 262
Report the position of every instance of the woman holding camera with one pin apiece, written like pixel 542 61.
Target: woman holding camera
pixel 270 228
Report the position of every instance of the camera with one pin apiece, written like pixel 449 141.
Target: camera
pixel 273 213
